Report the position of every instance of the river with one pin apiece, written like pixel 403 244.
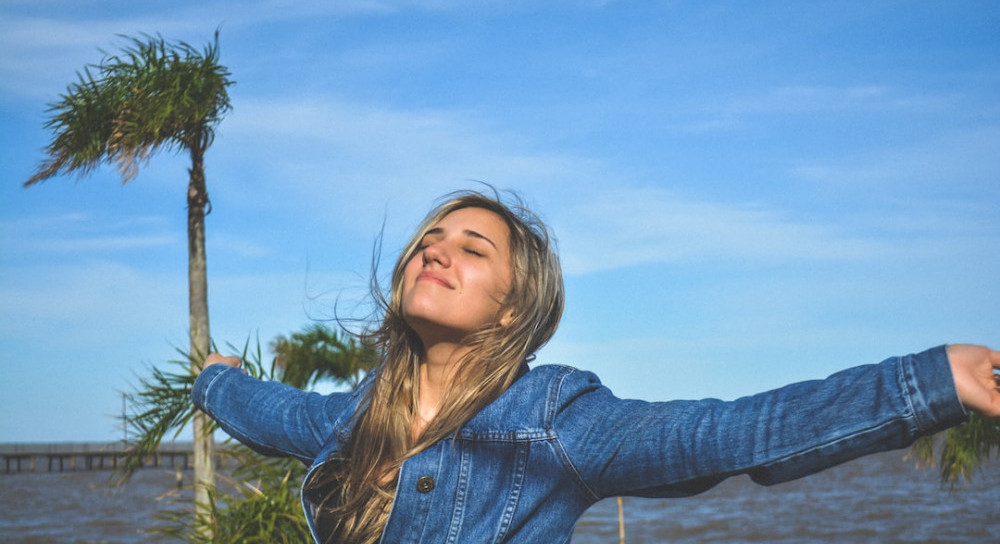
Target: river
pixel 881 499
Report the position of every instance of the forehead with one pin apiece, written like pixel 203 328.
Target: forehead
pixel 478 221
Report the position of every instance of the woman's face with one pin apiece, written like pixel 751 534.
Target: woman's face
pixel 459 276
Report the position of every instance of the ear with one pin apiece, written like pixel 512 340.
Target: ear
pixel 507 318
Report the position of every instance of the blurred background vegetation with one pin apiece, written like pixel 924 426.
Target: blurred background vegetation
pixel 258 500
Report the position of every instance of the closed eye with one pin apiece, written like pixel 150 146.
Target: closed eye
pixel 473 252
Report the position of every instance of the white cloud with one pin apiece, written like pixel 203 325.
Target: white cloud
pixel 622 227
pixel 237 245
pixel 367 162
pixel 851 98
pixel 84 234
pixel 102 300
pixel 361 161
pixel 103 244
pixel 944 163
pixel 40 54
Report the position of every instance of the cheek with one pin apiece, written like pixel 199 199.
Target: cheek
pixel 410 271
pixel 492 289
pixel 503 281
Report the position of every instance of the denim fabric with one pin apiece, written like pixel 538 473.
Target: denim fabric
pixel 526 467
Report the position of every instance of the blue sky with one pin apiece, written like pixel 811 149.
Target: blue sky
pixel 744 194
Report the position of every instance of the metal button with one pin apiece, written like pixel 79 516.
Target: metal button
pixel 425 484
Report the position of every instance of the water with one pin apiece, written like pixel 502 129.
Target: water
pixel 880 499
pixel 82 507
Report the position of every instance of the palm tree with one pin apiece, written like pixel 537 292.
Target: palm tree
pixel 153 95
pixel 261 503
pixel 317 354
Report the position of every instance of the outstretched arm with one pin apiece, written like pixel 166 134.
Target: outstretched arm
pixel 684 447
pixel 976 379
pixel 270 417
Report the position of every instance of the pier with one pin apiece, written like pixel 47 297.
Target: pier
pixel 59 457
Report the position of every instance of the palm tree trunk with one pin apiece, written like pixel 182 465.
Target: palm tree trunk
pixel 621 522
pixel 204 471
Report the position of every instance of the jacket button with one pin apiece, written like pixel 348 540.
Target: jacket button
pixel 425 484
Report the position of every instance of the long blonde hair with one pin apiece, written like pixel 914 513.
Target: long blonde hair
pixel 362 486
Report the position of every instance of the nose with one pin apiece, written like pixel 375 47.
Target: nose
pixel 437 252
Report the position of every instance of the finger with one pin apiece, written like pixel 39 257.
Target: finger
pixel 215 358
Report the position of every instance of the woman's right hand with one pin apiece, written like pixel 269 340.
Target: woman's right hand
pixel 215 358
pixel 975 369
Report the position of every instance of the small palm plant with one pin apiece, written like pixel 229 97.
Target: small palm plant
pixel 257 503
pixel 961 449
pixel 259 500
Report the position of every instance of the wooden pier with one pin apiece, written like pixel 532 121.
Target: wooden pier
pixel 59 457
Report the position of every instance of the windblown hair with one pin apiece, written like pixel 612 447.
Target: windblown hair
pixel 358 491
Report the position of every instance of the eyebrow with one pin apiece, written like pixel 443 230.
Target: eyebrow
pixel 467 232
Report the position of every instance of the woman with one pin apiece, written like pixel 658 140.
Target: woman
pixel 453 439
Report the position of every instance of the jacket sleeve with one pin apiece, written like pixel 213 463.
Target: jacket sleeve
pixel 270 417
pixel 681 448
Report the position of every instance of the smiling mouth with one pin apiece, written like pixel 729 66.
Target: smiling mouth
pixel 433 278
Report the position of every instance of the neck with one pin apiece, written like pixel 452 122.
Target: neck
pixel 437 371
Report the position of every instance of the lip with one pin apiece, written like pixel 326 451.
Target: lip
pixel 434 278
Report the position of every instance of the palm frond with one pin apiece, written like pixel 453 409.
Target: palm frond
pixel 257 503
pixel 152 95
pixel 319 353
pixel 959 451
pixel 160 404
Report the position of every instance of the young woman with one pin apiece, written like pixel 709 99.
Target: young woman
pixel 453 439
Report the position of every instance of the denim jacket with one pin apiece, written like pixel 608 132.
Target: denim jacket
pixel 526 467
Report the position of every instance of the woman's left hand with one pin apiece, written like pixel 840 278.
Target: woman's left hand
pixel 216 359
pixel 974 369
